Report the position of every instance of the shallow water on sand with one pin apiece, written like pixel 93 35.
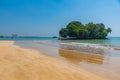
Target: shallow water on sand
pixel 103 63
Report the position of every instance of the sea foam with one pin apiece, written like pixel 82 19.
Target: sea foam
pixel 87 47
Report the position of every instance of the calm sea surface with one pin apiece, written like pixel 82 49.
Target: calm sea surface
pixel 101 57
pixel 115 41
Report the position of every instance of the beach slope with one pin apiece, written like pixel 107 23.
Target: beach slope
pixel 25 64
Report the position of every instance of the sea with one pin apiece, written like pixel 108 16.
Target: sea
pixel 91 46
pixel 98 56
pixel 114 41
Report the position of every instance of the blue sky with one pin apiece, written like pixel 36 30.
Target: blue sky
pixel 46 17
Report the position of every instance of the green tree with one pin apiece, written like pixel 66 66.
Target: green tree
pixel 63 32
pixel 92 29
pixel 75 23
pixel 100 27
pixel 101 35
pixel 82 33
pixel 73 27
pixel 89 31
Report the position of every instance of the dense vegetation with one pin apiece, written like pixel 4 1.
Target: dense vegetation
pixel 76 29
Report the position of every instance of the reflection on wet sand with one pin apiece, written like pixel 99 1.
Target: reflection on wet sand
pixel 76 57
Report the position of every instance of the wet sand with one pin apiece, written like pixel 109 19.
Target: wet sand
pixel 25 64
pixel 102 65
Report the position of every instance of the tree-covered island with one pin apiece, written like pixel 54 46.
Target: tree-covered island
pixel 77 30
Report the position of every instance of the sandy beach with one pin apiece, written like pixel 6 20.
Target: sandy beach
pixel 25 64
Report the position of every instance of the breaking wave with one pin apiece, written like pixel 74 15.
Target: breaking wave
pixel 87 47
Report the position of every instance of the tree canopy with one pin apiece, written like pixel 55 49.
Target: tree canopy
pixel 88 31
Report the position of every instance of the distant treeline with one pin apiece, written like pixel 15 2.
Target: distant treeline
pixel 77 30
pixel 12 36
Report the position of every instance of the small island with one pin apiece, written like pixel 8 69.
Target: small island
pixel 76 30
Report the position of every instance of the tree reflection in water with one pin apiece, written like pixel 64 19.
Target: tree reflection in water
pixel 77 57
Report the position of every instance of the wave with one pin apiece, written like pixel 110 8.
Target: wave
pixel 87 47
pixel 83 47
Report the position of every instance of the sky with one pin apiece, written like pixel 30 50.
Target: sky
pixel 47 17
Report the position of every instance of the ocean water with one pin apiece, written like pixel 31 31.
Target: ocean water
pixel 102 47
pixel 97 46
pixel 29 38
pixel 114 41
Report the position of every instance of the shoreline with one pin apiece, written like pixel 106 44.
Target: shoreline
pixel 27 64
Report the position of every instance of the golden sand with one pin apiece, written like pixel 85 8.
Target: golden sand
pixel 24 64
